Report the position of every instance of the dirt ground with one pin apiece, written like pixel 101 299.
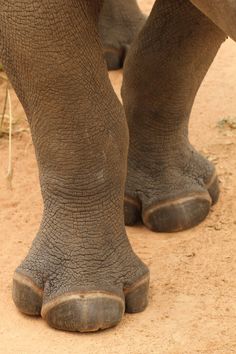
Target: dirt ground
pixel 193 273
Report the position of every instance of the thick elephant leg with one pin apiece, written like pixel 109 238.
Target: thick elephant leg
pixel 222 13
pixel 119 23
pixel 170 186
pixel 80 273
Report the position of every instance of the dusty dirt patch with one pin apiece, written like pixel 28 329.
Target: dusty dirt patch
pixel 193 273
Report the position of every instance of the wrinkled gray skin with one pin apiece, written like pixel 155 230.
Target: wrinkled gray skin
pixel 81 273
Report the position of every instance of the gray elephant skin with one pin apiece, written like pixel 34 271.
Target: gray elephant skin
pixel 102 165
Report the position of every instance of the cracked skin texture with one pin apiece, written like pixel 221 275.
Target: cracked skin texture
pixel 66 180
pixel 81 246
pixel 169 186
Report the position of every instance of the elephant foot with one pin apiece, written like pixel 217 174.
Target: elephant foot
pixel 76 288
pixel 119 23
pixel 173 196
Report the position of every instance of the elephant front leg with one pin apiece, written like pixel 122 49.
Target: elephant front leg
pixel 170 186
pixel 80 273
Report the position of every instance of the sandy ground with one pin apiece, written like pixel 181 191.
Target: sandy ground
pixel 193 273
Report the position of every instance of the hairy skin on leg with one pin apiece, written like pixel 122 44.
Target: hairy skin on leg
pixel 80 273
pixel 170 186
pixel 119 23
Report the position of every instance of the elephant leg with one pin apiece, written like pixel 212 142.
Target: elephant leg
pixel 170 186
pixel 119 23
pixel 222 13
pixel 80 273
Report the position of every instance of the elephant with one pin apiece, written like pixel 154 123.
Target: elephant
pixel 101 165
pixel 127 20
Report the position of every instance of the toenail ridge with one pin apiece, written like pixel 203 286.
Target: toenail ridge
pixel 82 296
pixel 179 201
pixel 212 181
pixel 145 279
pixel 132 201
pixel 23 279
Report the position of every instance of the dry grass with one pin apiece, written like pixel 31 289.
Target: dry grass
pixel 227 122
pixel 9 124
pixel 18 119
